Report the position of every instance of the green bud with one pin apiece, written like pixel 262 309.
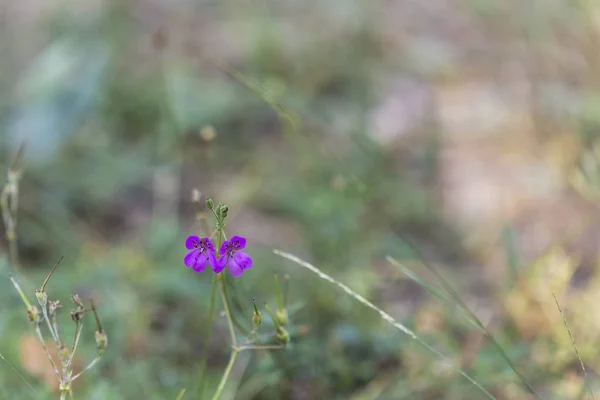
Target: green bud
pixel 224 210
pixel 282 336
pixel 209 203
pixel 101 340
pixel 282 316
pixel 32 313
pixel 256 319
pixel 256 316
pixel 41 297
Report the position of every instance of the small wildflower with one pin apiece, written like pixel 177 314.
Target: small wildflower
pixel 203 252
pixel 232 257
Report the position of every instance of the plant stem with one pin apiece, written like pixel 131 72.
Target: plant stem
pixel 205 344
pixel 94 362
pixel 227 311
pixel 225 376
pixel 47 319
pixel 260 347
pixel 78 330
pixel 43 343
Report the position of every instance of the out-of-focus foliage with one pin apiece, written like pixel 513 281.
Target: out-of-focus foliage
pixel 465 129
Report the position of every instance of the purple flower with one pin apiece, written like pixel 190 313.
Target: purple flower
pixel 202 252
pixel 232 257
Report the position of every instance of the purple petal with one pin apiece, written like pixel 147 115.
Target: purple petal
pixel 224 247
pixel 208 244
pixel 190 258
pixel 239 242
pixel 191 241
pixel 212 260
pixel 243 260
pixel 220 263
pixel 200 263
pixel 235 269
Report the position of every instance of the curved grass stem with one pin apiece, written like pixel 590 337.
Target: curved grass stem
pixel 386 317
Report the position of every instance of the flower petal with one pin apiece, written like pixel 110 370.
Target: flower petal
pixel 238 241
pixel 191 241
pixel 190 258
pixel 243 260
pixel 224 247
pixel 220 263
pixel 235 269
pixel 200 263
pixel 208 244
pixel 212 260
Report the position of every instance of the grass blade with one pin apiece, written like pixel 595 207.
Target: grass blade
pixel 385 316
pixel 431 289
pixel 488 335
pixel 585 374
pixel 17 372
pixel 180 395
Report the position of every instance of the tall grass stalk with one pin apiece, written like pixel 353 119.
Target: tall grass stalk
pixel 385 316
pixel 474 319
pixel 585 374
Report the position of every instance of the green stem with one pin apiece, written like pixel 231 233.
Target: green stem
pixel 205 344
pixel 225 376
pixel 237 305
pixel 227 311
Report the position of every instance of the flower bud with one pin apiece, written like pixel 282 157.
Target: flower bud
pixel 209 203
pixel 101 340
pixel 256 316
pixel 224 210
pixel 282 316
pixel 41 297
pixel 32 313
pixel 75 298
pixel 282 336
pixel 52 307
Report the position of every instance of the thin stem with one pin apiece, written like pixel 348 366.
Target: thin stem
pixel 45 313
pixel 211 313
pixel 260 347
pixel 586 378
pixel 96 317
pixel 94 362
pixel 50 274
pixel 227 311
pixel 225 376
pixel 78 330
pixel 21 293
pixel 55 325
pixel 43 343
pixel 180 395
pixel 235 304
pixel 63 395
pixel 386 317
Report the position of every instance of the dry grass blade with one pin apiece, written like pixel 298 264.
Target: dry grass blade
pixel 17 372
pixel 586 377
pixel 385 316
pixel 489 336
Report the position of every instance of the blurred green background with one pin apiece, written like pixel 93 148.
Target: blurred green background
pixel 459 133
